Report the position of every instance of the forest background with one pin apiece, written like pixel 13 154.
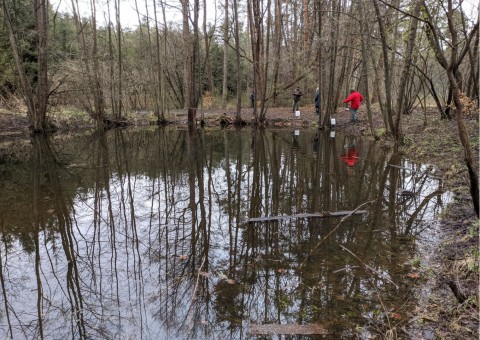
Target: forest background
pixel 407 57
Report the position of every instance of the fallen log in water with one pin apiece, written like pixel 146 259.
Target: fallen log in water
pixel 306 215
pixel 114 123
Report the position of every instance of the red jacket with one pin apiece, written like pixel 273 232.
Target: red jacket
pixel 355 98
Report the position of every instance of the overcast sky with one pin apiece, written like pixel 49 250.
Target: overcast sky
pixel 129 16
pixel 128 13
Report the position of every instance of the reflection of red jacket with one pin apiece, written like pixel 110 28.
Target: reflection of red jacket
pixel 351 157
pixel 355 98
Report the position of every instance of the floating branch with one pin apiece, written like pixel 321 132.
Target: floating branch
pixel 306 215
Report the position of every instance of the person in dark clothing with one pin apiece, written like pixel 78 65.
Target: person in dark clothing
pixel 297 94
pixel 317 101
pixel 252 100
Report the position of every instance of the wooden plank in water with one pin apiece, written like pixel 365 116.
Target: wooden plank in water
pixel 306 215
pixel 292 329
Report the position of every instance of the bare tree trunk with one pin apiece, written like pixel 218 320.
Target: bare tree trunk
pixel 277 44
pixel 226 25
pixel 429 82
pixel 237 62
pixel 334 33
pixel 294 42
pixel 387 68
pixel 26 87
pixel 187 58
pixel 364 31
pixel 306 39
pixel 266 59
pixel 472 90
pixel 113 102
pixel 451 66
pixel 193 50
pixel 208 62
pixel 95 102
pixel 161 70
pixel 35 99
pixel 255 13
pixel 153 87
pixel 118 112
pixel 159 104
pixel 462 130
pixel 320 60
pixel 42 90
pixel 406 72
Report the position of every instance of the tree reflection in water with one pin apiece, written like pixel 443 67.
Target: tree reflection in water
pixel 144 234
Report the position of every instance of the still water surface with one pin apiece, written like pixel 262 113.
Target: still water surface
pixel 145 234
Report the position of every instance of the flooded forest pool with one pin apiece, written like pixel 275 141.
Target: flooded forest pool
pixel 171 233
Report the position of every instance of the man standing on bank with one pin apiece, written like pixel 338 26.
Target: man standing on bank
pixel 355 98
pixel 297 94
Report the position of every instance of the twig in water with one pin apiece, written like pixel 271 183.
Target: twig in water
pixel 373 270
pixel 334 229
pixel 390 333
pixel 194 295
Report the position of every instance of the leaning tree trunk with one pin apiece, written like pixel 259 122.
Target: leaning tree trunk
pixel 452 78
pixel 451 66
pixel 464 139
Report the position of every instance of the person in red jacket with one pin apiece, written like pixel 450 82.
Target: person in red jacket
pixel 355 98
